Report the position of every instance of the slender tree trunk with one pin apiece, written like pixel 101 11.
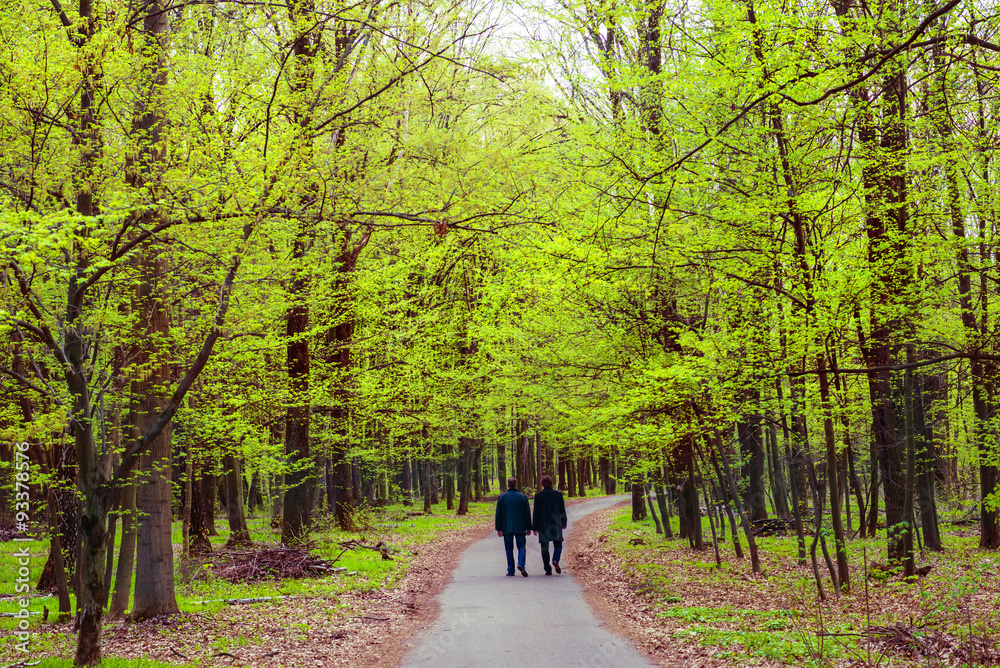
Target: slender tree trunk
pixel 840 541
pixel 571 480
pixel 239 534
pixel 208 484
pixel 751 445
pixel 428 485
pixel 465 474
pixel 652 509
pixel 126 554
pixel 690 494
pixel 406 483
pixel 296 513
pixel 186 508
pixel 778 477
pixel 744 519
pixel 661 502
pixel 450 464
pixel 638 502
pixel 198 535
pixel 502 465
pixel 925 462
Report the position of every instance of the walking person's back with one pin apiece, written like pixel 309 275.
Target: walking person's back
pixel 548 521
pixel 513 521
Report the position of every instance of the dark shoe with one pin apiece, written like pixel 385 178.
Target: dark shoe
pixel 523 572
pixel 555 564
pixel 510 575
pixel 548 572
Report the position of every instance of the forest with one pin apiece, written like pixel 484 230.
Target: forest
pixel 313 258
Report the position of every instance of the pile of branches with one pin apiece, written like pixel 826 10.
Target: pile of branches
pixel 269 562
pixel 917 642
pixel 8 530
pixel 775 527
pixel 353 544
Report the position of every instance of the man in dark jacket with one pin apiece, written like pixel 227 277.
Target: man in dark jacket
pixel 548 521
pixel 513 521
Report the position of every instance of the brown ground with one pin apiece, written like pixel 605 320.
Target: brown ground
pixel 927 622
pixel 360 629
pixel 627 589
pixel 612 595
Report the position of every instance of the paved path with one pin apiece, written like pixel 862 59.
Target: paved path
pixel 488 619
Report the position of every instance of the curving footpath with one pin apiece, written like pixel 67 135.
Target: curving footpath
pixel 488 619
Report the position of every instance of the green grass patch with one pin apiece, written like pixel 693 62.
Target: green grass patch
pixel 113 662
pixel 198 590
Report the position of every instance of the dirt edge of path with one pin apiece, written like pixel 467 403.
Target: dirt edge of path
pixel 413 603
pixel 586 561
pixel 612 596
pixel 421 588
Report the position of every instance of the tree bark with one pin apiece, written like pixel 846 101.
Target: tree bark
pixel 751 445
pixel 126 554
pixel 840 541
pixel 638 502
pixel 239 534
pixel 154 575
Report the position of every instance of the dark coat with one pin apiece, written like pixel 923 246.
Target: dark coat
pixel 513 513
pixel 549 517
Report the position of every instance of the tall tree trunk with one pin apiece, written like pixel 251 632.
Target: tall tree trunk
pixel 840 541
pixel 187 502
pixel 477 466
pixel 638 502
pixel 299 481
pixel 428 484
pixel 464 474
pixel 652 508
pixel 208 485
pixel 154 575
pixel 126 554
pixel 450 464
pixel 406 483
pixel 744 519
pixel 778 475
pixel 239 534
pixel 925 462
pixel 751 445
pixel 198 532
pixel 690 494
pixel 571 480
pixel 502 465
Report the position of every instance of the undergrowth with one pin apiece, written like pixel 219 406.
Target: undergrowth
pixel 777 619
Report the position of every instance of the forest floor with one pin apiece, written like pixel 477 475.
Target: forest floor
pixel 682 609
pixel 358 617
pixel 675 604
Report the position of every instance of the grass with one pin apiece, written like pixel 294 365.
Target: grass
pixel 198 591
pixel 777 618
pixel 113 662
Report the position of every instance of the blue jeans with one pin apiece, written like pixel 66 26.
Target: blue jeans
pixel 508 546
pixel 556 553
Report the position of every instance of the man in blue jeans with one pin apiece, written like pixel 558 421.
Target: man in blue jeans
pixel 513 521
